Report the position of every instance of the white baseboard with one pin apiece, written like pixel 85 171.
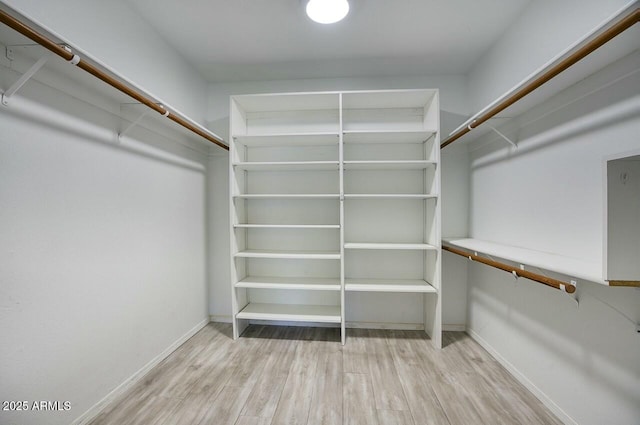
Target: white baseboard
pixel 220 318
pixel 93 411
pixel 561 414
pixel 355 325
pixel 454 328
pixel 386 325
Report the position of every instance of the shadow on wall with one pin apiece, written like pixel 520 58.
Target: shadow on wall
pixel 576 333
pixel 580 114
pixel 42 105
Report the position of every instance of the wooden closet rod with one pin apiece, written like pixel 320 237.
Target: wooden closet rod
pixel 69 56
pixel 620 26
pixel 554 283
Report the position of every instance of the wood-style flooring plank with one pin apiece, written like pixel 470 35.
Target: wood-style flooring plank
pixel 266 392
pixel 295 399
pixel 423 402
pixel 252 420
pixel 226 408
pixel 396 417
pixel 326 404
pixel 354 352
pixel 387 388
pixel 358 400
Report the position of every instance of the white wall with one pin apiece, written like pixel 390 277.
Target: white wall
pixel 454 109
pixel 623 218
pixel 113 32
pixel 103 247
pixel 548 195
pixel 543 30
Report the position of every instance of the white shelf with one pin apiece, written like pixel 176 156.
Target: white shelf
pixel 291 312
pixel 389 196
pixel 288 196
pixel 573 267
pixel 388 285
pixel 387 99
pixel 288 166
pixel 287 226
pixel 407 246
pixel 288 139
pixel 388 165
pixel 279 102
pixel 309 255
pixel 387 136
pixel 306 283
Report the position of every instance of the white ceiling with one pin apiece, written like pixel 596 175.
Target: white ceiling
pixel 244 40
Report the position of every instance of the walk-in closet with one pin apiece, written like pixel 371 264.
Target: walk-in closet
pixel 319 212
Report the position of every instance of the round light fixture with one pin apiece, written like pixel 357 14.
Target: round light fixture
pixel 327 11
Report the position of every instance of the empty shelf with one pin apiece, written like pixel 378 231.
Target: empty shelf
pixel 389 196
pixel 288 196
pixel 387 136
pixel 287 226
pixel 310 255
pixel 288 166
pixel 573 267
pixel 291 312
pixel 388 165
pixel 388 285
pixel 288 139
pixel 368 245
pixel 306 283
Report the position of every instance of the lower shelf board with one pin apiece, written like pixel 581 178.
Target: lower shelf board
pixel 291 312
pixel 388 285
pixel 305 283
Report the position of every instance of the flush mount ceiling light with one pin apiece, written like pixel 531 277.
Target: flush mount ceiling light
pixel 327 11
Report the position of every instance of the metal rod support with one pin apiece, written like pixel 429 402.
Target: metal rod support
pixel 133 124
pixel 24 78
pixel 511 142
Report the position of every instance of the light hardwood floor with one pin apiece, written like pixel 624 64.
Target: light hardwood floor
pixel 292 375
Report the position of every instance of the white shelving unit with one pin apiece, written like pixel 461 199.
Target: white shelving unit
pixel 334 195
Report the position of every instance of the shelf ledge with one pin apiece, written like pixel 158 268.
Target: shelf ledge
pixel 289 166
pixel 291 312
pixel 288 196
pixel 288 139
pixel 406 246
pixel 572 267
pixel 286 226
pixel 309 255
pixel 388 285
pixel 389 165
pixel 389 196
pixel 388 136
pixel 304 283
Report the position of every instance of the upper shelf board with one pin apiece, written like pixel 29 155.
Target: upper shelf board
pixel 389 165
pixel 288 196
pixel 387 99
pixel 387 136
pixel 288 166
pixel 288 139
pixel 403 246
pixel 287 102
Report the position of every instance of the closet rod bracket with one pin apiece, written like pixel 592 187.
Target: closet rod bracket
pixel 511 142
pixel 24 78
pixel 133 124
